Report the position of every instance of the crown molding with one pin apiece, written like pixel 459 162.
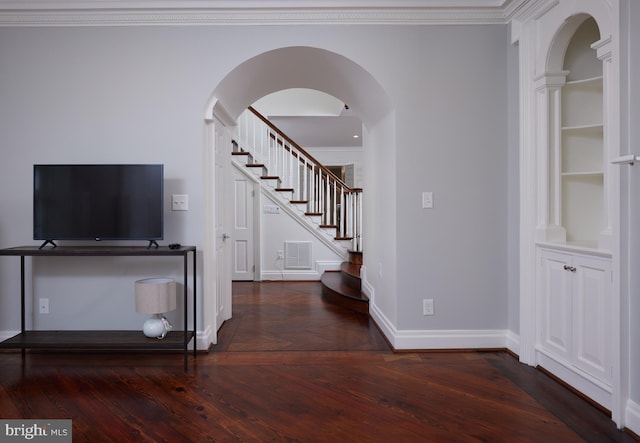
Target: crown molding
pixel 253 12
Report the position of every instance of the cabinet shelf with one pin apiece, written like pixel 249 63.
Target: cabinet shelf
pixel 96 340
pixel 594 128
pixel 591 82
pixel 582 103
pixel 583 174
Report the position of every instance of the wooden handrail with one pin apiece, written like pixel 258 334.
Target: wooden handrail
pixel 299 148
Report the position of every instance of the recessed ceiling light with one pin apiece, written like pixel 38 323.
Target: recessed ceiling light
pixel 356 136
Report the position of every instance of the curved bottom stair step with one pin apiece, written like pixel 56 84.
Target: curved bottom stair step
pixel 337 291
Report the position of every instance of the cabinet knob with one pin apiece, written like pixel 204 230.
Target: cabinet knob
pixel 569 268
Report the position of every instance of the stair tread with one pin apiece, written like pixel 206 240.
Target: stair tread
pixel 270 177
pixel 284 189
pixel 255 165
pixel 299 202
pixel 333 281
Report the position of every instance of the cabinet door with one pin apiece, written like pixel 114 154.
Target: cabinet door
pixel 556 304
pixel 592 317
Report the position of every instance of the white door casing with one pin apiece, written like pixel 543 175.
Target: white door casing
pixel 223 283
pixel 216 298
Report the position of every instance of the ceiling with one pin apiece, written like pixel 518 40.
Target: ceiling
pixel 322 132
pixel 312 118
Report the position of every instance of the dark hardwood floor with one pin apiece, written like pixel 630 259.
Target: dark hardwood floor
pixel 289 367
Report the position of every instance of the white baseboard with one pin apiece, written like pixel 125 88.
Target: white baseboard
pixel 301 274
pixel 440 339
pixel 451 339
pixel 204 339
pixel 632 417
pixel 5 335
pixel 289 276
pixel 593 388
pixel 513 342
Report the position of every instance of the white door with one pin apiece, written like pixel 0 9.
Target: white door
pixel 556 303
pixel 243 193
pixel 592 312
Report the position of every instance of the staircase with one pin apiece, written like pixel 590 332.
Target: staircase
pixel 309 191
pixel 344 287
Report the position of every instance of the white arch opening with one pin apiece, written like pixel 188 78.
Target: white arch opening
pixel 336 75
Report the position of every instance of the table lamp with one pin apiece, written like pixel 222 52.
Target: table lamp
pixel 156 296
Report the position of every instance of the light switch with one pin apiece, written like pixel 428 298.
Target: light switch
pixel 427 200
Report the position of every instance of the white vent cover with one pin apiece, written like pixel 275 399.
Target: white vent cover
pixel 297 254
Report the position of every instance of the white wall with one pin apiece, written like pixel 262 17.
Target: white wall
pixel 137 94
pixel 276 229
pixel 456 147
pixel 96 95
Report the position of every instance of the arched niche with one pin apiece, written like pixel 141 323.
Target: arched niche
pixel 572 93
pixel 562 40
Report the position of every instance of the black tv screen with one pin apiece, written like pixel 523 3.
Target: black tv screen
pixel 98 202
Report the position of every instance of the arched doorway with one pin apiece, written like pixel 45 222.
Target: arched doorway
pixel 271 71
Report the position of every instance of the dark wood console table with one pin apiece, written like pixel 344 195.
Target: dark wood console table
pixel 103 340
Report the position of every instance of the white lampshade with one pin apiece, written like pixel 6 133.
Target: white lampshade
pixel 155 295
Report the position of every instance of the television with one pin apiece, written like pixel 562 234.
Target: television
pixel 98 202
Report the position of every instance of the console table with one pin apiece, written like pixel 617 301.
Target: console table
pixel 103 340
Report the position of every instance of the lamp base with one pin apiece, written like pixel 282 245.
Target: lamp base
pixel 156 327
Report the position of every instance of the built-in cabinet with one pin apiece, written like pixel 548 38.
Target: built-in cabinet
pixel 574 321
pixel 574 308
pixel 572 314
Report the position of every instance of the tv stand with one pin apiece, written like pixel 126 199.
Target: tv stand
pixel 46 242
pixel 152 243
pixel 104 340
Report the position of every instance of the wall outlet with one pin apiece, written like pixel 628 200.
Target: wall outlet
pixel 427 306
pixel 44 306
pixel 179 202
pixel 280 254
